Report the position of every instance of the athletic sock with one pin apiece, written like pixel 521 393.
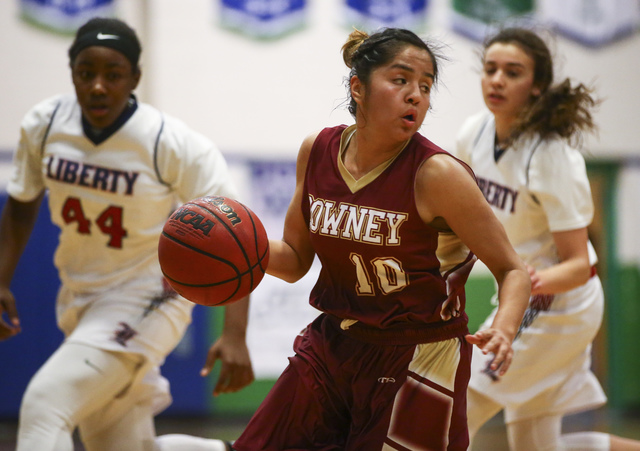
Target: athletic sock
pixel 180 442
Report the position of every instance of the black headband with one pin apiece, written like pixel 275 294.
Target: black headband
pixel 121 43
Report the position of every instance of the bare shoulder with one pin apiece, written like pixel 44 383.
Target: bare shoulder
pixel 304 152
pixel 307 145
pixel 444 169
pixel 445 187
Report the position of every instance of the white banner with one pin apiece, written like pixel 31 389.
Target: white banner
pixel 592 22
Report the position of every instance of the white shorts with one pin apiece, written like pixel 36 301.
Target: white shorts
pixel 551 368
pixel 125 319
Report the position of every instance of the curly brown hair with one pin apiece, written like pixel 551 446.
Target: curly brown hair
pixel 561 110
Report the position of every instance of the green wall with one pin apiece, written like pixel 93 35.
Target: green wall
pixel 622 317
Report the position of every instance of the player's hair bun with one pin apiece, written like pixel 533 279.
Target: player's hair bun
pixel 355 39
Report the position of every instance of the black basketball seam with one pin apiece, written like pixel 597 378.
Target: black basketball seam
pixel 238 278
pixel 239 275
pixel 230 230
pixel 213 284
pixel 255 240
pixel 200 251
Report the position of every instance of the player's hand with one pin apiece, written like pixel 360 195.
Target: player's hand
pixel 236 372
pixel 536 283
pixel 8 311
pixel 494 341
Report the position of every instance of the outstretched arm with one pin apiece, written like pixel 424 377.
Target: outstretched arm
pixel 16 225
pixel 231 349
pixel 445 191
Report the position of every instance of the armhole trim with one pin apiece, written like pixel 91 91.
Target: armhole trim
pixel 155 153
pixel 46 133
pixel 528 167
pixel 480 132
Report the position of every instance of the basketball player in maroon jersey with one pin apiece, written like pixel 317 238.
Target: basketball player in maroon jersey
pixel 397 223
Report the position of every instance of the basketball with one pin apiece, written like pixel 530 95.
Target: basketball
pixel 213 250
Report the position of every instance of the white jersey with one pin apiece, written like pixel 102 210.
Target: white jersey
pixel 111 199
pixel 536 188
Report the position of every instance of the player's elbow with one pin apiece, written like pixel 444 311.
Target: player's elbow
pixel 289 263
pixel 578 272
pixel 584 272
pixel 291 274
pixel 293 278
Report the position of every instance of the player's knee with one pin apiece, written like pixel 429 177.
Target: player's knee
pixel 43 418
pixel 535 434
pixel 38 393
pixel 39 406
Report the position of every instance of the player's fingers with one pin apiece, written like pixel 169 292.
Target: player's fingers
pixel 502 364
pixel 493 344
pixel 7 330
pixel 212 357
pixel 242 377
pixel 474 339
pixel 536 286
pixel 8 308
pixel 488 341
pixel 234 378
pixel 506 363
pixel 502 352
pixel 222 385
pixel 12 313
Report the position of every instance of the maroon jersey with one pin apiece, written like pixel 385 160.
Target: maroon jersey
pixel 381 264
pixel 365 371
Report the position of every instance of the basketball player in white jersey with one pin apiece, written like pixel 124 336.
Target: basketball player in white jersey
pixel 522 153
pixel 112 170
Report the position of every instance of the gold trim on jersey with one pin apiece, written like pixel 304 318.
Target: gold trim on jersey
pixel 353 184
pixel 451 251
pixel 437 362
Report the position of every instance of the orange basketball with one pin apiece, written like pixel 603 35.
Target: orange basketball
pixel 213 250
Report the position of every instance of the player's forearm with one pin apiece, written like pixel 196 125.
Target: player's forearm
pixel 16 224
pixel 11 248
pixel 513 297
pixel 287 263
pixel 562 277
pixel 236 319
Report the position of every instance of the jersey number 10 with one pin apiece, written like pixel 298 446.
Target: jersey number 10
pixel 388 271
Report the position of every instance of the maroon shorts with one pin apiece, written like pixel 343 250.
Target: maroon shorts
pixel 339 393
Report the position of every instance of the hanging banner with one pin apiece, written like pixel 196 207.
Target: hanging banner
pixel 477 18
pixel 593 22
pixel 64 16
pixel 369 15
pixel 263 18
